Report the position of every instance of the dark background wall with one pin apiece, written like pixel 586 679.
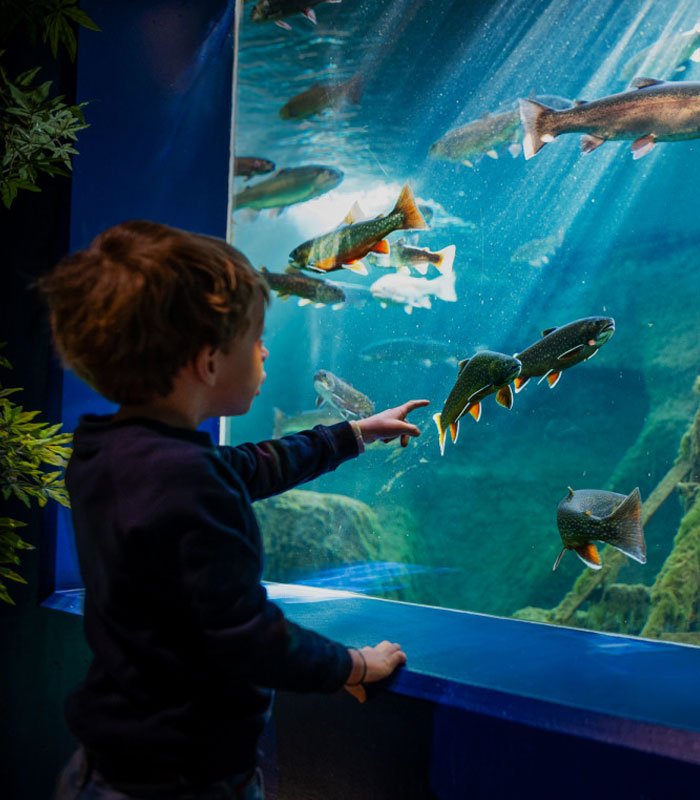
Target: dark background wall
pixel 158 78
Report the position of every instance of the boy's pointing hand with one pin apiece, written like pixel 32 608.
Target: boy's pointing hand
pixel 389 424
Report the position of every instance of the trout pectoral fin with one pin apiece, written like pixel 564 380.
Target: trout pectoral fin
pixel 559 558
pixel 454 431
pixel 441 433
pixel 382 246
pixel 504 396
pixel 588 553
pixel 356 266
pixel 553 379
pixel 475 411
pixel 643 146
pixel 589 143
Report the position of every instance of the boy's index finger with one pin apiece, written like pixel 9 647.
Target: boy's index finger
pixel 412 405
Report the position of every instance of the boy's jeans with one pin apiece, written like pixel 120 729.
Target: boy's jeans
pixel 79 781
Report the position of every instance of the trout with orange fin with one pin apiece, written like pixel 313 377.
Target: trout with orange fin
pixel 345 246
pixel 483 374
pixel 589 515
pixel 561 348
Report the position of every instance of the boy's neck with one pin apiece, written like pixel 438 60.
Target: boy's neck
pixel 162 411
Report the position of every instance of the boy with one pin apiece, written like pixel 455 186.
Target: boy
pixel 186 647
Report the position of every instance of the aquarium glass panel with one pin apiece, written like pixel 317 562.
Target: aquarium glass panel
pixel 492 206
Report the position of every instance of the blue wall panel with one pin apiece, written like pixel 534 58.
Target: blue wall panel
pixel 158 81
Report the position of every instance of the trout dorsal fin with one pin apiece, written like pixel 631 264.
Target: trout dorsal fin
pixel 642 83
pixel 462 364
pixel 547 331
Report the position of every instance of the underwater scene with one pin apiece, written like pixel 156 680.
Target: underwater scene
pixel 493 206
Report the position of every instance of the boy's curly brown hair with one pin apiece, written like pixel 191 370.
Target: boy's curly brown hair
pixel 129 311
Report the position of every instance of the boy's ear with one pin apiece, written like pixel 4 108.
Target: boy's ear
pixel 205 365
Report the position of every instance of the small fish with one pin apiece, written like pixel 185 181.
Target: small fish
pixel 403 256
pixel 412 292
pixel 426 352
pixel 339 394
pixel 668 56
pixel 288 187
pixel 322 96
pixel 561 348
pixel 437 216
pixel 653 111
pixel 481 137
pixel 247 166
pixel 305 420
pixel 276 10
pixel 538 252
pixel 345 246
pixel 483 374
pixel 589 515
pixel 307 289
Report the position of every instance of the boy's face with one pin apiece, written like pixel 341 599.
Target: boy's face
pixel 241 371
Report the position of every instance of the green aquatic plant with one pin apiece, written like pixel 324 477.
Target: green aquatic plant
pixel 26 447
pixel 37 132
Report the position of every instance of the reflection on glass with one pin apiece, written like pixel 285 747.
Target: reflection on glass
pixel 465 204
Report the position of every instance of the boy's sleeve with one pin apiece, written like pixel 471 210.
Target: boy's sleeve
pixel 242 630
pixel 276 465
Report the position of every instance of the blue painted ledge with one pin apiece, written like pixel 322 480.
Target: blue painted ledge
pixel 615 689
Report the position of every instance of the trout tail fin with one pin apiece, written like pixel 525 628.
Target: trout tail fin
pixel 406 206
pixel 534 117
pixel 627 533
pixel 447 259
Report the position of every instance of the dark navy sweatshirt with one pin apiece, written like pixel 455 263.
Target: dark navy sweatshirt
pixel 186 646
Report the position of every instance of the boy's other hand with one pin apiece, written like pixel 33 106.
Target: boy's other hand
pixel 389 424
pixel 371 664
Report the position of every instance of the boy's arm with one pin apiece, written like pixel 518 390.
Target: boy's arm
pixel 276 465
pixel 241 628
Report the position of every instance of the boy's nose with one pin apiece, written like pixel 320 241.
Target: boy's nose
pixel 265 353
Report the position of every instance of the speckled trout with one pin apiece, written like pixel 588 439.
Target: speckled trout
pixel 653 111
pixel 345 246
pixel 339 394
pixel 469 143
pixel 561 348
pixel 289 186
pixel 307 289
pixel 589 515
pixel 483 374
pixel 321 96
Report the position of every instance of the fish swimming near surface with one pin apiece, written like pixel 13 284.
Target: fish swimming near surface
pixel 561 348
pixel 405 256
pixel 322 96
pixel 593 515
pixel 276 10
pixel 538 252
pixel 288 187
pixel 347 245
pixel 483 374
pixel 653 111
pixel 248 166
pixel 348 401
pixel 412 292
pixel 426 352
pixel 468 143
pixel 307 289
pixel 667 57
